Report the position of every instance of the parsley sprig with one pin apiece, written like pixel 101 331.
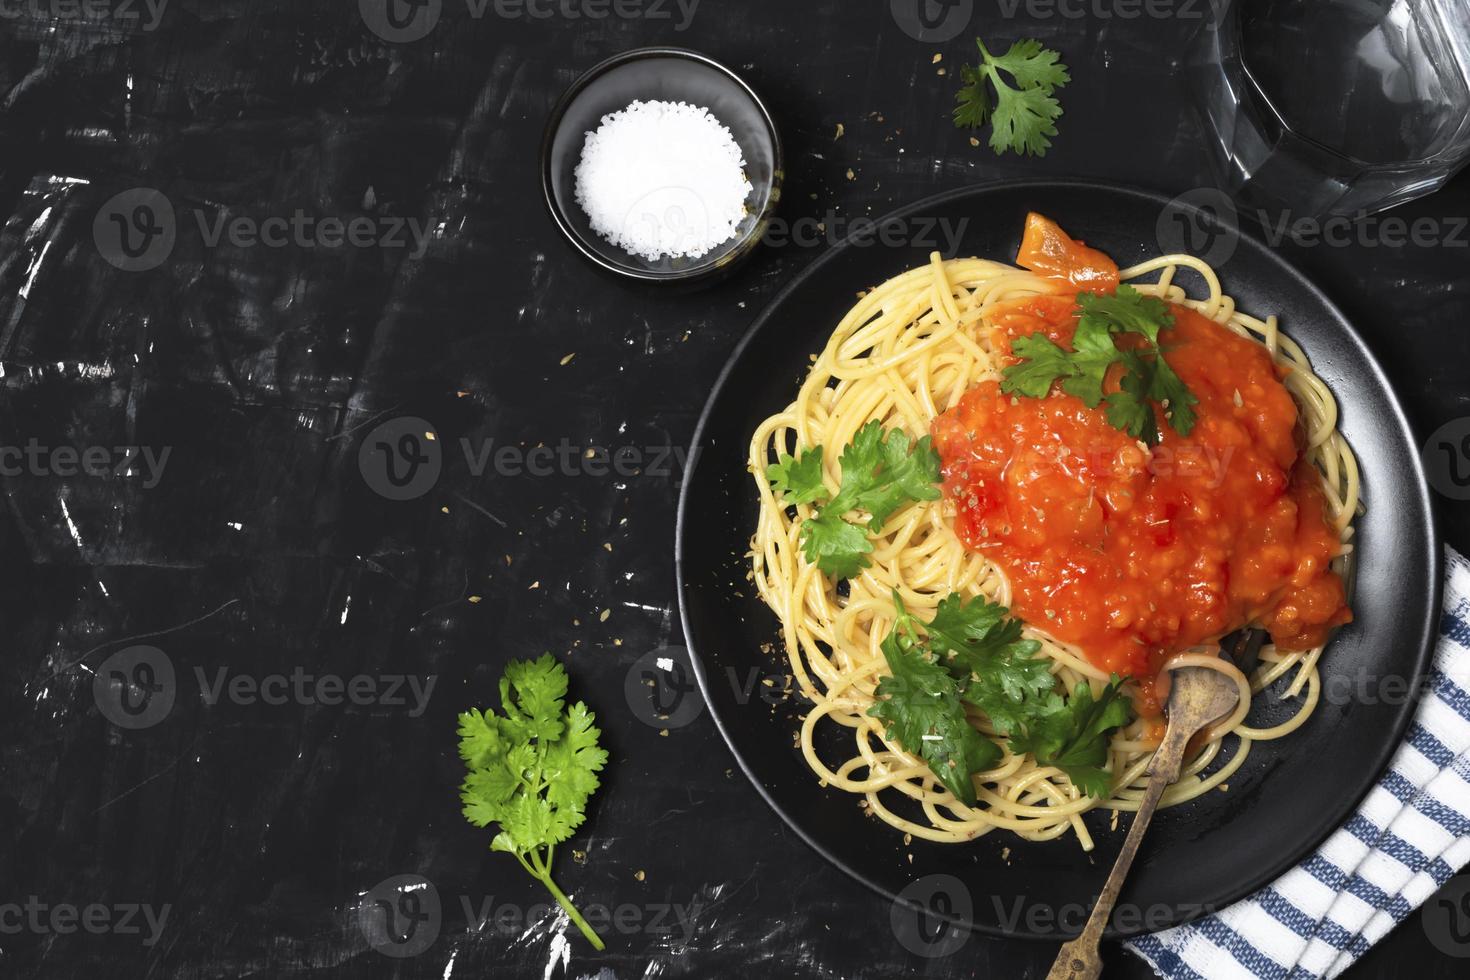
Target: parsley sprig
pixel 1074 737
pixel 920 701
pixel 532 770
pixel 1147 376
pixel 972 654
pixel 1023 113
pixel 881 471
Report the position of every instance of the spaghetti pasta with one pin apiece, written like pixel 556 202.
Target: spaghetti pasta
pixel 905 353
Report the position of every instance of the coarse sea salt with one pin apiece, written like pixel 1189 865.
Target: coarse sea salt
pixel 663 179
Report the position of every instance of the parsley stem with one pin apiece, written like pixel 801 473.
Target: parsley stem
pixel 539 867
pixel 571 910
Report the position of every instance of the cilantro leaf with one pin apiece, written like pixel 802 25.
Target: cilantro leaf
pixel 919 704
pixel 957 624
pixel 880 476
pixel 1041 362
pixel 1083 370
pixel 479 738
pixel 1023 121
pixel 1032 66
pixel 836 547
pixel 1024 112
pixel 969 653
pixel 1007 680
pixel 973 98
pixel 1128 408
pixel 1125 311
pixel 799 480
pixel 881 471
pixel 1093 353
pixel 1169 390
pixel 571 764
pixel 532 693
pixel 1000 675
pixel 1073 734
pixel 532 769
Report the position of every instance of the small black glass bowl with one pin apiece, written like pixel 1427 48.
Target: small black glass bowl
pixel 666 75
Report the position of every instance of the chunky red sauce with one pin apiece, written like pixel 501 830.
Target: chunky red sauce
pixel 1135 553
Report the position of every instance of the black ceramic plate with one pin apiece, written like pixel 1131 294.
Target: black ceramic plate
pixel 1199 856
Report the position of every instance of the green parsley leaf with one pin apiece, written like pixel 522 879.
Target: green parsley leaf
pixel 1041 362
pixel 973 98
pixel 1147 376
pixel 1024 113
pixel 881 471
pixel 919 704
pixel 1001 676
pixel 1128 408
pixel 799 480
pixel 1023 121
pixel 1031 65
pixel 1093 353
pixel 1073 734
pixel 970 653
pixel 959 625
pixel 532 692
pixel 1125 311
pixel 1011 684
pixel 836 547
pixel 532 769
pixel 1169 390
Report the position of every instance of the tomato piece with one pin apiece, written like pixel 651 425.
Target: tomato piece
pixel 1052 254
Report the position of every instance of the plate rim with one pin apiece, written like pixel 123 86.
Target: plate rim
pixel 1390 743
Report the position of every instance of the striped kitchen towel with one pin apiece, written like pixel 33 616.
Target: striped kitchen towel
pixel 1409 836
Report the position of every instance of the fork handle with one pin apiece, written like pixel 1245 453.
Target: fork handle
pixel 1081 958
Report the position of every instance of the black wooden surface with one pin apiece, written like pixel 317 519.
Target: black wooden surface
pixel 261 550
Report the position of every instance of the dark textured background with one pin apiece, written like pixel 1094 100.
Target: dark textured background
pixel 262 550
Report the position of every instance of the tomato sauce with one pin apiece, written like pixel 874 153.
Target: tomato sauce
pixel 1131 552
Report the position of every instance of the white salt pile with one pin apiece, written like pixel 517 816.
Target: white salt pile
pixel 663 178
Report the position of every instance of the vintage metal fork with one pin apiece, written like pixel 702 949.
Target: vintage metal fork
pixel 1198 697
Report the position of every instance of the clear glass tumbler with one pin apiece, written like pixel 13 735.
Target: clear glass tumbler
pixel 1334 107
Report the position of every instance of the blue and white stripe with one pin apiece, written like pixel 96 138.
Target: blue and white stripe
pixel 1410 836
